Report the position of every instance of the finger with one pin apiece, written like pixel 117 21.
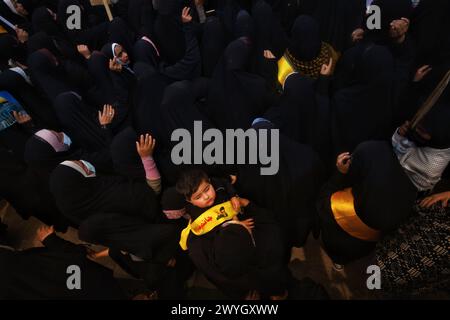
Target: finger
pixel 330 62
pixel 138 147
pixel 425 72
pixel 423 202
pixel 427 202
pixel 433 201
pixel 423 68
pixel 142 139
pixel 99 115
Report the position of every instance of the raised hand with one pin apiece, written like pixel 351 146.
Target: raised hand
pixel 145 146
pixel 327 68
pixel 422 72
pixel 84 51
pixel 185 15
pixel 44 231
pixel 114 65
pixel 268 54
pixel 343 162
pixel 106 116
pixel 21 117
pixel 398 29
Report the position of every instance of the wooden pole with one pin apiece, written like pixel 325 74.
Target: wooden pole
pixel 431 100
pixel 108 10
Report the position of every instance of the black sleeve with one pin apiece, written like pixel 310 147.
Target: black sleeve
pixel 188 67
pixel 53 242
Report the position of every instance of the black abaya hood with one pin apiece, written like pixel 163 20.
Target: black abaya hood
pixel 383 194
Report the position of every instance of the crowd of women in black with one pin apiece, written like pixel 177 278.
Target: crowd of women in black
pixel 92 148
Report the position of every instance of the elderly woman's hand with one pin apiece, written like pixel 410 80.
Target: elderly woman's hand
pixel 442 197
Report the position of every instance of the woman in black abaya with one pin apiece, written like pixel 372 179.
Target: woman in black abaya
pixel 117 212
pixel 80 122
pixel 42 273
pixel 36 106
pixel 363 108
pixel 236 97
pixel 291 192
pixel 376 186
pixel 25 194
pixel 49 76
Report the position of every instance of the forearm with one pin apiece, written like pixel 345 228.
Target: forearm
pixel 152 174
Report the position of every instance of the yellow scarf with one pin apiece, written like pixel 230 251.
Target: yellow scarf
pixel 343 208
pixel 207 221
pixel 288 64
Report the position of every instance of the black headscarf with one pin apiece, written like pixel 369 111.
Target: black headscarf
pixel 28 5
pixel 47 74
pixel 212 45
pixel 236 97
pixel 384 195
pixel 169 31
pixel 306 52
pixel 337 20
pixel 10 49
pixel 125 158
pixel 234 251
pixel 429 16
pixel 305 38
pixel 297 112
pixel 39 153
pixel 243 26
pixel 42 20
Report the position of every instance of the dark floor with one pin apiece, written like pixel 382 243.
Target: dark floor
pixel 309 261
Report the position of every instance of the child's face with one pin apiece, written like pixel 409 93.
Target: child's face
pixel 204 196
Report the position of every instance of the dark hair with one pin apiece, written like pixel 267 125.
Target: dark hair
pixel 189 181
